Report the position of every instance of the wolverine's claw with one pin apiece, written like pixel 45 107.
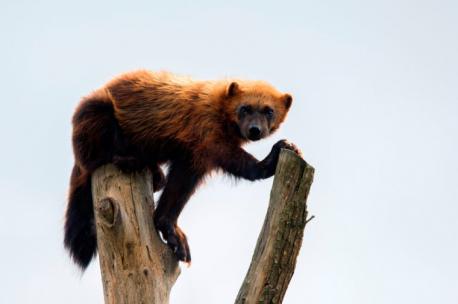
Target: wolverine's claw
pixel 176 240
pixel 284 144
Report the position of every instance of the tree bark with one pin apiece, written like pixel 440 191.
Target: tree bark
pixel 136 266
pixel 278 245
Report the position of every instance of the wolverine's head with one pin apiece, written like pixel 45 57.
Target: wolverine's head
pixel 257 108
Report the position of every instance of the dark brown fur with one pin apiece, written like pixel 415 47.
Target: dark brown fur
pixel 144 119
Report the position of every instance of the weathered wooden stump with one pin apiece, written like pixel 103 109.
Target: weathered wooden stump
pixel 274 258
pixel 137 267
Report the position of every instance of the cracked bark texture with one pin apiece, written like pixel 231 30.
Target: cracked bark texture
pixel 279 242
pixel 136 266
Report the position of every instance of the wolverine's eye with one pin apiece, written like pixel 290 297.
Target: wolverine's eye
pixel 269 112
pixel 245 110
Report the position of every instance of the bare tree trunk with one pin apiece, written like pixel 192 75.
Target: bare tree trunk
pixel 274 258
pixel 137 267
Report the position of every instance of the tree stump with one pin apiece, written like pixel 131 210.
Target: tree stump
pixel 137 267
pixel 274 258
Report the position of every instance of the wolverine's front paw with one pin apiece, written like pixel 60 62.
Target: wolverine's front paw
pixel 176 240
pixel 284 144
pixel 127 164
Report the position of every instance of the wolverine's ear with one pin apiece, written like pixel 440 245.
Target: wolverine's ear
pixel 288 100
pixel 232 89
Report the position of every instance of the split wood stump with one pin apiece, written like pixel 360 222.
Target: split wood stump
pixel 137 267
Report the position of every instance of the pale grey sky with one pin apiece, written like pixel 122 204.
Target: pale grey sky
pixel 375 112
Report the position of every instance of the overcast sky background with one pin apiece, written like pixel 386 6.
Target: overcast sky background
pixel 375 112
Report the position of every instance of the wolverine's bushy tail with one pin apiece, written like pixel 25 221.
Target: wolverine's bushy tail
pixel 80 238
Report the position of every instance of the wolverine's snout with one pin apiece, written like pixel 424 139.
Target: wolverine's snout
pixel 254 133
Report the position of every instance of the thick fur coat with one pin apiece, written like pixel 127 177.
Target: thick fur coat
pixel 144 119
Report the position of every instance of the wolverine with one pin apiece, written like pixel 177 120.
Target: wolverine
pixel 146 119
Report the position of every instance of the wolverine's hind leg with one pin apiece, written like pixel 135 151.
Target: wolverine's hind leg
pixel 182 181
pixel 98 139
pixel 96 134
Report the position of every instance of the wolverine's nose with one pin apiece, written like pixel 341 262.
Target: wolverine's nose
pixel 254 133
